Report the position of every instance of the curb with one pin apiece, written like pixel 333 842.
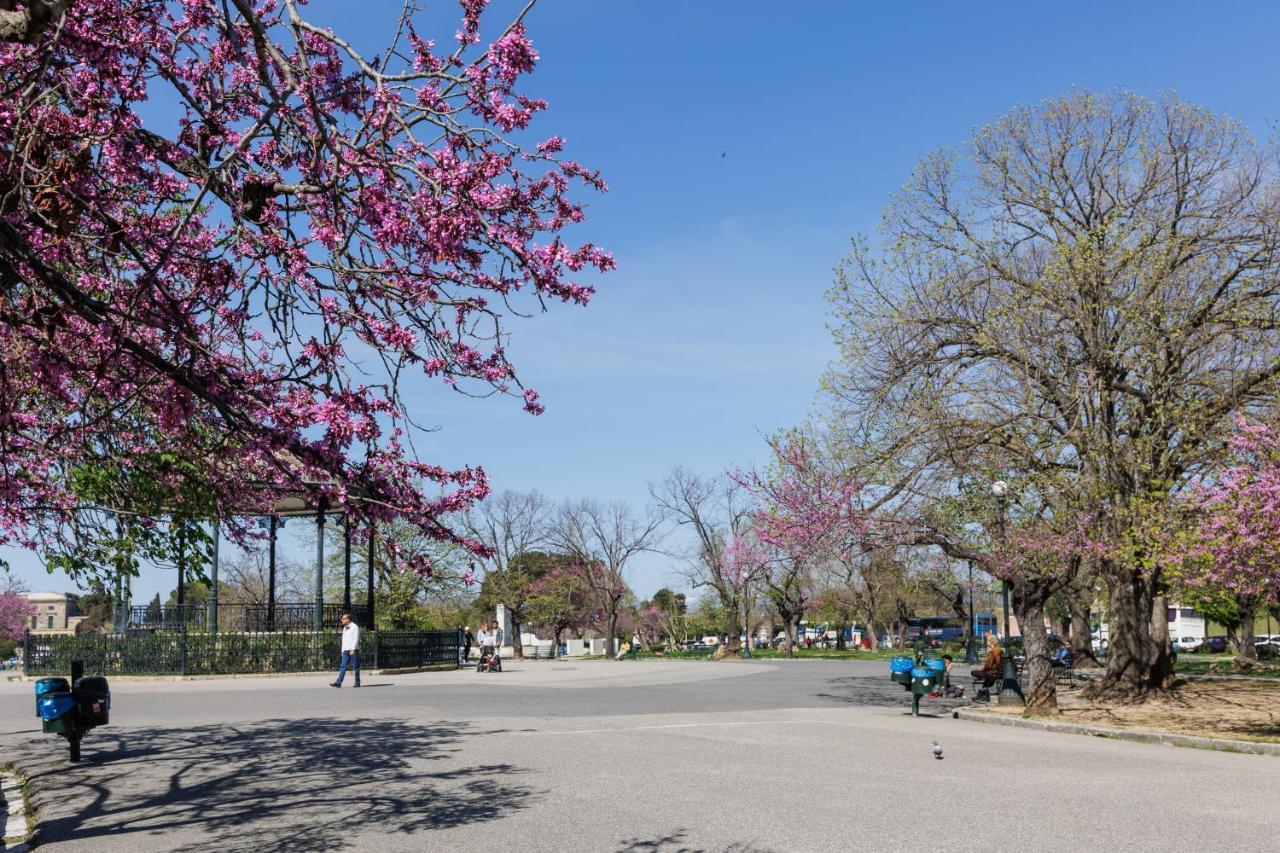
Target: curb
pixel 16 814
pixel 1135 735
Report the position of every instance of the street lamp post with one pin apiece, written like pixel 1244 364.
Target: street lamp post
pixel 970 654
pixel 1010 690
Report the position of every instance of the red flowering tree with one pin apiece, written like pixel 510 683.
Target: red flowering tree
pixel 226 300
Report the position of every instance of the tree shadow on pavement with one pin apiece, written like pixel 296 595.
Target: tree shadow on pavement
pixel 675 842
pixel 276 785
pixel 869 691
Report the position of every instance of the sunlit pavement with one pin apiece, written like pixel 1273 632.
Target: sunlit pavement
pixel 639 756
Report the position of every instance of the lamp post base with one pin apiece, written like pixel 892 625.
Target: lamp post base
pixel 1010 690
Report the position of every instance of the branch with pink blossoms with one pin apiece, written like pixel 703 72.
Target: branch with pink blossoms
pixel 250 285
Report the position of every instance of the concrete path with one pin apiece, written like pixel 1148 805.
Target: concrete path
pixel 596 756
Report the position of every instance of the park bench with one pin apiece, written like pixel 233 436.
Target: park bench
pixel 993 684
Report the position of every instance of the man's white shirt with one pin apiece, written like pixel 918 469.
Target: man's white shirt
pixel 351 638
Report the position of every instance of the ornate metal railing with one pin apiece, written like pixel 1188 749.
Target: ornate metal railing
pixel 166 652
pixel 284 616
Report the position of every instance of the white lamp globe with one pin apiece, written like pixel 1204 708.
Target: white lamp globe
pixel 999 488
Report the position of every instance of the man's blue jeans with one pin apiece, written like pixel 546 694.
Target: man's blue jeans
pixel 352 658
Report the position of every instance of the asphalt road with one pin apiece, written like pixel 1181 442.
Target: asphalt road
pixel 661 757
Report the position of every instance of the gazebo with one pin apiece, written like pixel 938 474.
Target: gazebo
pixel 305 502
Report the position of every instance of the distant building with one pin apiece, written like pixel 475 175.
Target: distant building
pixel 56 612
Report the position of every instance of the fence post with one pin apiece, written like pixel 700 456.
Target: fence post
pixel 26 651
pixel 377 641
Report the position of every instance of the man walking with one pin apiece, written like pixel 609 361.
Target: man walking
pixel 350 650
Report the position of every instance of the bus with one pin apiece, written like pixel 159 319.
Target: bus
pixel 936 630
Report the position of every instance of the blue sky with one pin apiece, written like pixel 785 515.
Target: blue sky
pixel 744 144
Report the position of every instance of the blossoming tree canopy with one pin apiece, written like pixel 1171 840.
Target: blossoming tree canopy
pixel 246 286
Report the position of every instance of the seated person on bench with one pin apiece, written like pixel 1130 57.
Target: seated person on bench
pixel 1061 657
pixel 992 667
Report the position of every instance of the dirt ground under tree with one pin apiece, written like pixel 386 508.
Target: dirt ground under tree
pixel 1221 708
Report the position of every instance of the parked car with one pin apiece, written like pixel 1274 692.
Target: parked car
pixel 1213 645
pixel 1185 644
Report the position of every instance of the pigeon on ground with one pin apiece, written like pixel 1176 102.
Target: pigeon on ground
pixel 937 750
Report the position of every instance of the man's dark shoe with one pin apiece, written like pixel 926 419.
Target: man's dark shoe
pixel 357 685
pixel 335 684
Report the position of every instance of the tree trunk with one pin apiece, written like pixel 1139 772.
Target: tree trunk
pixel 732 646
pixel 840 644
pixel 1081 631
pixel 611 625
pixel 1041 692
pixel 1247 607
pixel 517 647
pixel 1160 622
pixel 1135 664
pixel 788 638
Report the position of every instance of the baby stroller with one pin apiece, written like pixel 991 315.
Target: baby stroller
pixel 489 660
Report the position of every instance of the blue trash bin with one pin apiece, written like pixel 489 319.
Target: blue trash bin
pixel 900 670
pixel 55 706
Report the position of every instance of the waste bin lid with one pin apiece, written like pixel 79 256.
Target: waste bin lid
pixel 922 672
pixel 52 685
pixel 934 663
pixel 92 684
pixel 901 664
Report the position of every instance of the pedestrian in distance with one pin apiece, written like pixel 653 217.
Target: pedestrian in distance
pixel 468 640
pixel 350 650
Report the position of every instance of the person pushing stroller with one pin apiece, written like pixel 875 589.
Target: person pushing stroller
pixel 489 659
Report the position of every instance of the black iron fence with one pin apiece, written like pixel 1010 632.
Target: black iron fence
pixel 283 616
pixel 194 653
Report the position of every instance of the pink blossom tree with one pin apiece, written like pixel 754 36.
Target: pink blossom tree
pixel 1234 544
pixel 15 615
pixel 808 511
pixel 245 284
pixel 560 599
